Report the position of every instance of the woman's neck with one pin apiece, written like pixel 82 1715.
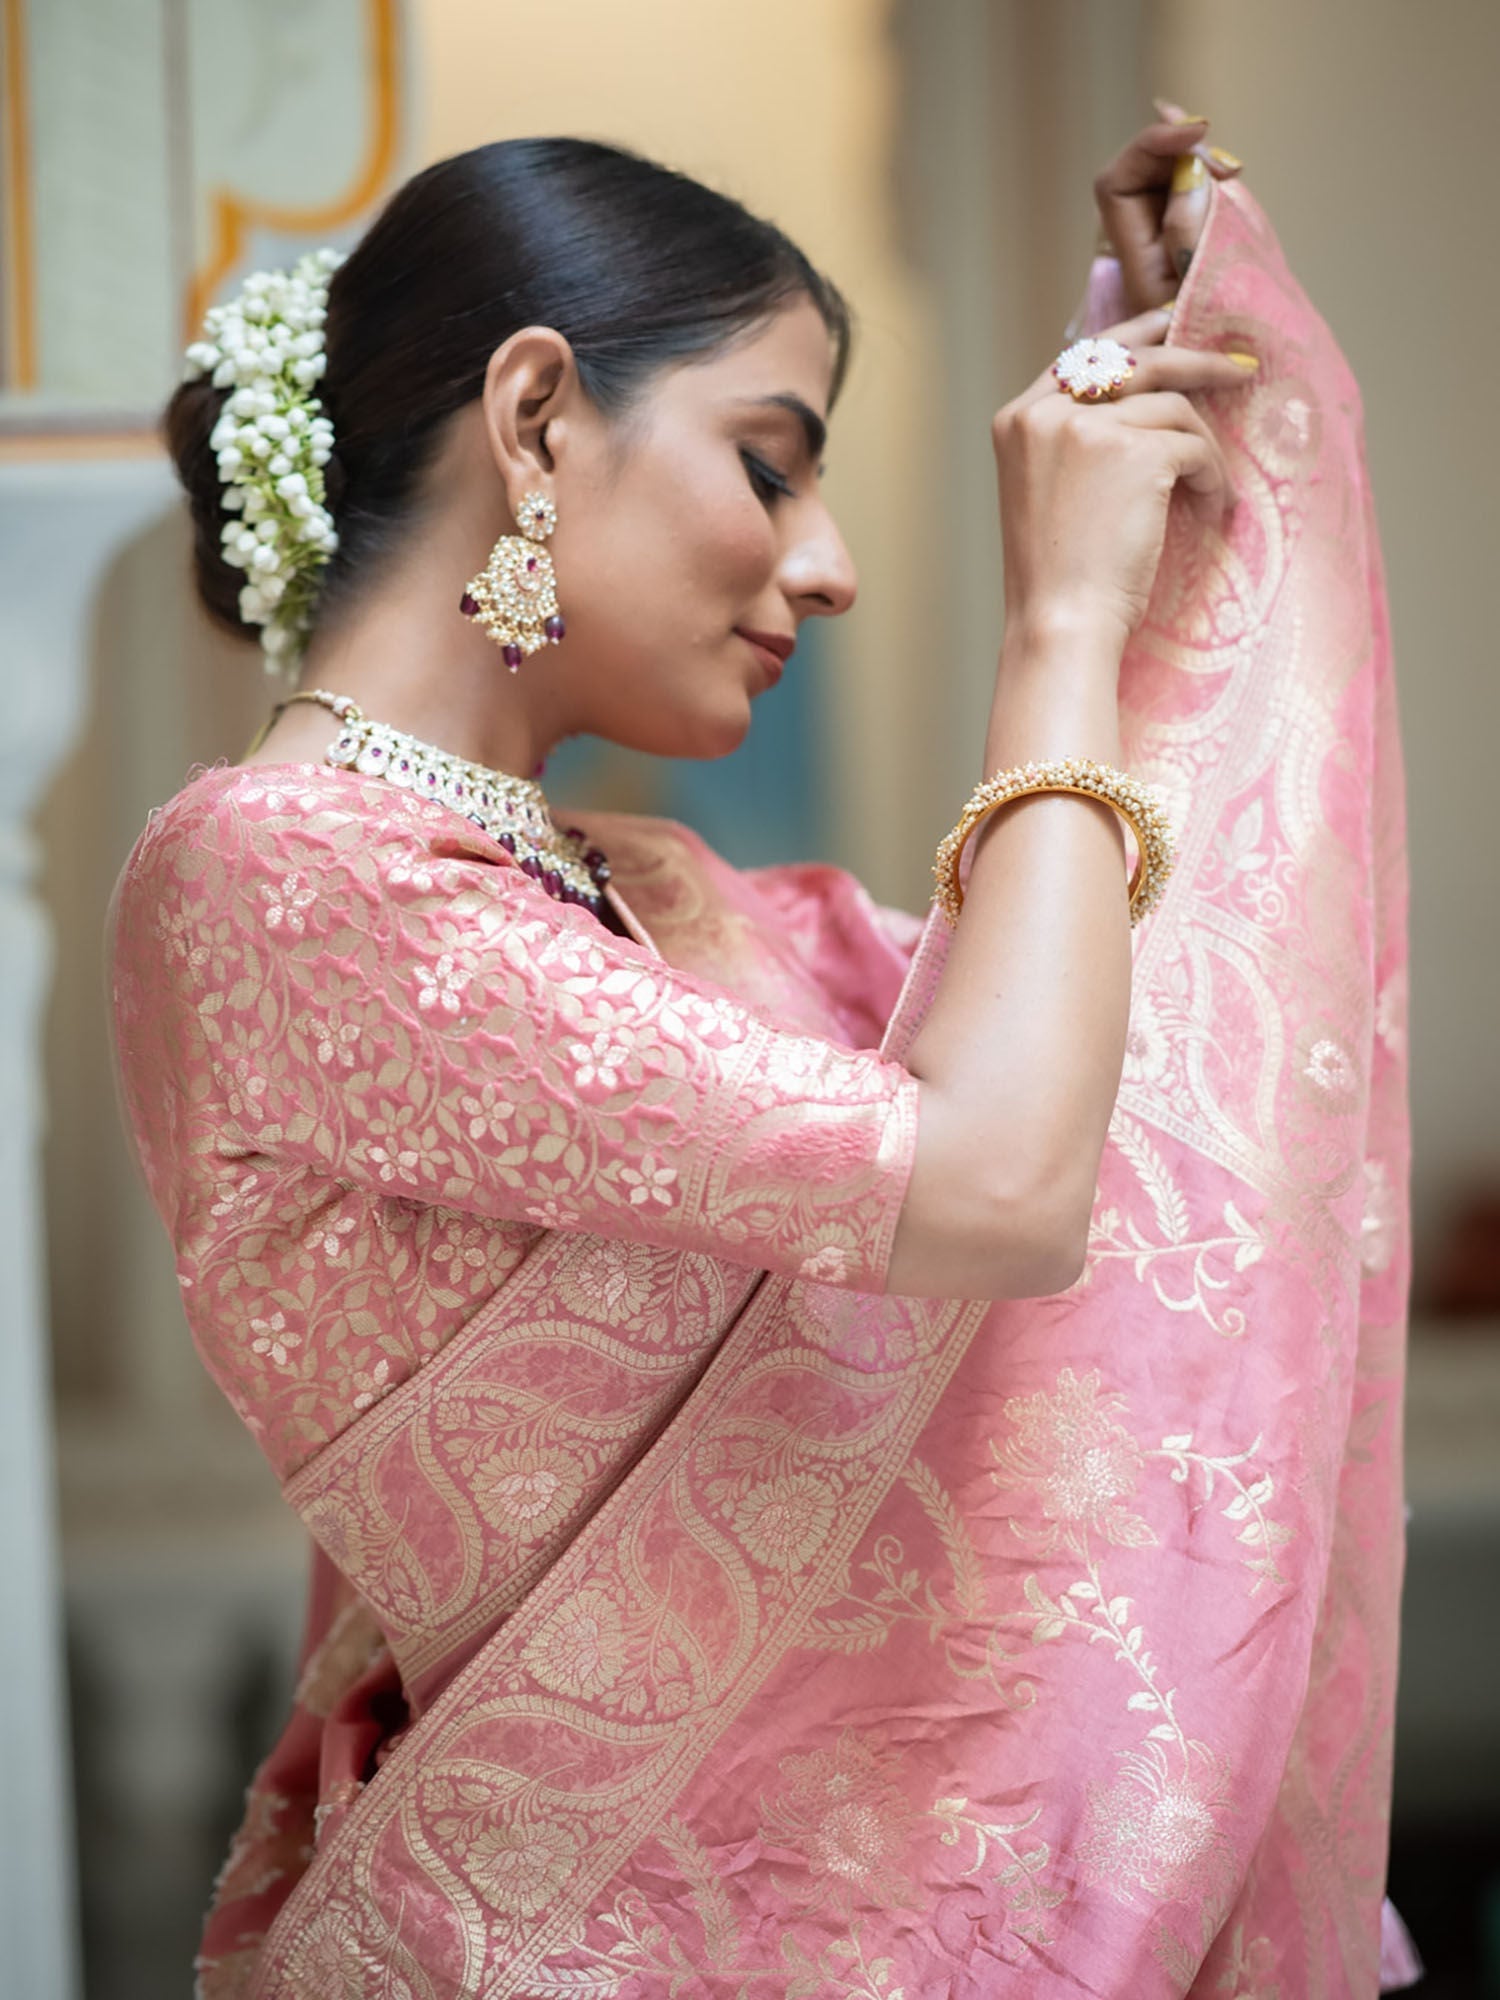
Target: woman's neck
pixel 410 658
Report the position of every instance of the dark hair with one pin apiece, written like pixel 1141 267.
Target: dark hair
pixel 635 265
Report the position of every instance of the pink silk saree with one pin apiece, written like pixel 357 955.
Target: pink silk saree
pixel 689 1616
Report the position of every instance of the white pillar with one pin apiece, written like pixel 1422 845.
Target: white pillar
pixel 59 526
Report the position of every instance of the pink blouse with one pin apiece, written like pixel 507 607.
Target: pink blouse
pixel 370 1063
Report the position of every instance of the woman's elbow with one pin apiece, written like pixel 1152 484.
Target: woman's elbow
pixel 1048 1247
pixel 1057 1233
pixel 1001 1242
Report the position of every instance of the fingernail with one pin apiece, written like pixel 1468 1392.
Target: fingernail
pixel 1189 173
pixel 1229 161
pixel 1175 117
pixel 1246 361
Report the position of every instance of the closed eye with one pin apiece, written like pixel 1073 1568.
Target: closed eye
pixel 767 481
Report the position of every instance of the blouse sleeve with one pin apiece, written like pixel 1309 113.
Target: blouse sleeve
pixel 388 1000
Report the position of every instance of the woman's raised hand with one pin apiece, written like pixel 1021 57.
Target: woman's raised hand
pixel 1084 486
pixel 1018 1057
pixel 1153 201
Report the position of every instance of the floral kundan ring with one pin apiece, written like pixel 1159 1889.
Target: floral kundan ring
pixel 1094 371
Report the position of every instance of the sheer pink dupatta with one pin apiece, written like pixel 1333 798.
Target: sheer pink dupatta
pixel 1047 1647
pixel 1240 287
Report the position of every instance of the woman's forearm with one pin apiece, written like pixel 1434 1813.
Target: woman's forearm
pixel 1019 1057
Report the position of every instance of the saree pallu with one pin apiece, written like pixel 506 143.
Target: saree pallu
pixel 950 1649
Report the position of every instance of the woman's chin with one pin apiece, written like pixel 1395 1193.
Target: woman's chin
pixel 699 735
pixel 721 734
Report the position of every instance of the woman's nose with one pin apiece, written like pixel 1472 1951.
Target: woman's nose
pixel 819 571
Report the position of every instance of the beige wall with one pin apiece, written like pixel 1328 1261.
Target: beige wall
pixel 1368 129
pixel 792 108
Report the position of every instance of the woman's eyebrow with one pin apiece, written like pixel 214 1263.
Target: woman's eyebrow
pixel 814 430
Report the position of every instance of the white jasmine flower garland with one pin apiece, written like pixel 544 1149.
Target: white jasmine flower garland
pixel 272 442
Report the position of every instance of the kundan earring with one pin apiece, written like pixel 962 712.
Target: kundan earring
pixel 514 596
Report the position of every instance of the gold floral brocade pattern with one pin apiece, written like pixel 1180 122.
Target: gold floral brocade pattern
pixel 392 1064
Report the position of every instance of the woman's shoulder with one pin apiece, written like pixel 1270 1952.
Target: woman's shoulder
pixel 233 818
pixel 225 795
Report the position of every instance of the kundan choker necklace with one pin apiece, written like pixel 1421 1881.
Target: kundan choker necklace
pixel 512 811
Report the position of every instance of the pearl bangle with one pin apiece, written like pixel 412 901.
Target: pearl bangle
pixel 1138 805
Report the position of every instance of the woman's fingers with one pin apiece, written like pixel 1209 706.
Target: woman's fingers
pixel 1153 198
pixel 1156 367
pixel 1146 329
pixel 1188 369
pixel 1194 453
pixel 1131 194
pixel 1200 468
pixel 1142 335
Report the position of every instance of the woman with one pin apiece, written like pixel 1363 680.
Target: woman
pixel 719 1589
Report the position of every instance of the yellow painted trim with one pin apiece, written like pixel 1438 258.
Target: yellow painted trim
pixel 233 217
pixel 48 447
pixel 20 292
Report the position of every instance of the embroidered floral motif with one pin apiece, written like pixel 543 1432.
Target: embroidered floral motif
pixel 444 983
pixel 1070 1450
pixel 602 1060
pixel 459 1251
pixel 783 1521
pixel 489 1112
pixel 524 1491
pixel 332 1240
pixel 652 1181
pixel 286 902
pixel 372 1384
pixel 553 1206
pixel 1157 1832
pixel 1330 1068
pixel 844 1815
pixel 273 1338
pixel 1191 1270
pixel 235 1195
pixel 178 933
pixel 827 1265
pixel 1250 1969
pixel 335 1040
pixel 581 1650
pixel 613 1279
pixel 392 1166
pixel 1146 1045
pixel 521 1866
pixel 329 1963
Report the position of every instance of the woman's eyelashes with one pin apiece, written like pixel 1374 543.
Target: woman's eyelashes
pixel 767 481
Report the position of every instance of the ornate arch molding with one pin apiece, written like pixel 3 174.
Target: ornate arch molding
pixel 153 148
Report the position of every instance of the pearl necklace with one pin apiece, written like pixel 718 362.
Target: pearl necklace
pixel 512 811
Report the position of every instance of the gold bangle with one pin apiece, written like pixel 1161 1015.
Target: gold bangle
pixel 1138 805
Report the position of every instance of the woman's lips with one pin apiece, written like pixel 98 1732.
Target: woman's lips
pixel 770 660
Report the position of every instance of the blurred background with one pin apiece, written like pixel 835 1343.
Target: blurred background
pixel 935 156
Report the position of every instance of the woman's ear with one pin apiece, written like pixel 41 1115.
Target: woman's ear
pixel 529 382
